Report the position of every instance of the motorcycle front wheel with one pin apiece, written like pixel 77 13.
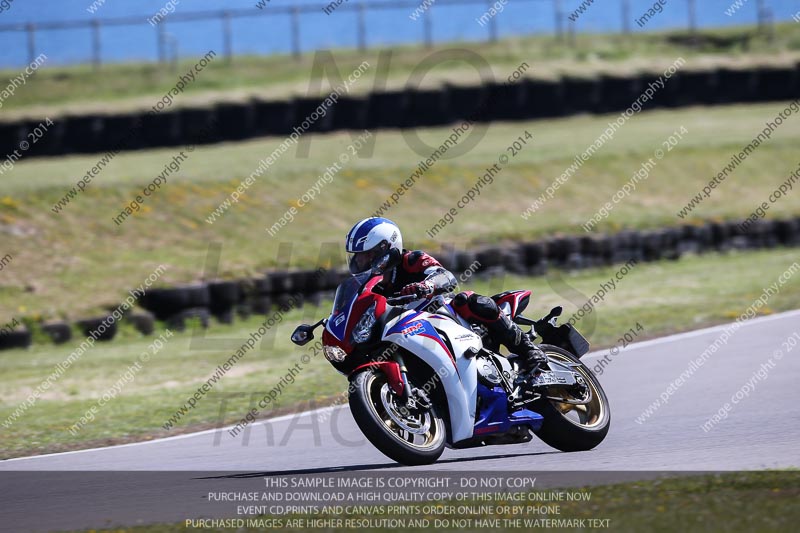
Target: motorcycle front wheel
pixel 411 437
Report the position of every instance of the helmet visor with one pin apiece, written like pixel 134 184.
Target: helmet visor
pixel 360 262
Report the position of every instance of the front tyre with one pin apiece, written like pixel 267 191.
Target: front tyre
pixel 409 437
pixel 572 426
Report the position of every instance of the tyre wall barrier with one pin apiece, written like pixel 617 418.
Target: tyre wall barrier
pixel 59 332
pixel 777 83
pixel 737 85
pixel 545 98
pixel 350 113
pixel 280 289
pixel 464 100
pixel 20 338
pixel 273 118
pixel 504 102
pixel 96 328
pixel 582 95
pixel 143 322
pixel 163 129
pixel 411 108
pixel 164 303
pixel 428 107
pixel 236 121
pixel 307 108
pixel 618 92
pixel 389 109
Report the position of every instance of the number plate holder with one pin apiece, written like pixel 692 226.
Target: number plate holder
pixel 553 377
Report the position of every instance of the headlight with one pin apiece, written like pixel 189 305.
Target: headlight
pixel 363 329
pixel 334 354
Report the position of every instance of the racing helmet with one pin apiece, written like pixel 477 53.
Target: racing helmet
pixel 373 244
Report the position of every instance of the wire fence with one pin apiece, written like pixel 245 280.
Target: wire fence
pixel 294 29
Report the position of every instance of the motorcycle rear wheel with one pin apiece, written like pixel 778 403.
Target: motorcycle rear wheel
pixel 568 427
pixel 410 438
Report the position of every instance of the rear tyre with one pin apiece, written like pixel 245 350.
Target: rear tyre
pixel 410 438
pixel 568 427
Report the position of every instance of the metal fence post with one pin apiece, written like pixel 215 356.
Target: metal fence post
pixel 626 16
pixel 96 43
pixel 31 30
pixel 692 17
pixel 492 24
pixel 174 61
pixel 295 32
pixel 559 18
pixel 361 30
pixel 160 43
pixel 227 45
pixel 428 29
pixel 571 36
pixel 765 19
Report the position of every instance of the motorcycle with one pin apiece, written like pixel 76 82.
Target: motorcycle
pixel 422 378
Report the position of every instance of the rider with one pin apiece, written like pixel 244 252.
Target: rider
pixel 376 243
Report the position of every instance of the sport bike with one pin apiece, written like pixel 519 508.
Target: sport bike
pixel 422 378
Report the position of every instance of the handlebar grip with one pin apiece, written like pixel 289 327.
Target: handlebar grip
pixel 401 299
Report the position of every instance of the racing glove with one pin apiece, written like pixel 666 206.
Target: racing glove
pixel 422 289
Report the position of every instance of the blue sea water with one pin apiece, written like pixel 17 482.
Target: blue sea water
pixel 271 33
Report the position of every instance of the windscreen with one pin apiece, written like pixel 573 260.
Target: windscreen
pixel 344 294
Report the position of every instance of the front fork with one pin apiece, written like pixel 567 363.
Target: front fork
pixel 396 374
pixel 404 374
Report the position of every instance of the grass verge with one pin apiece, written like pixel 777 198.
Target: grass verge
pixel 74 262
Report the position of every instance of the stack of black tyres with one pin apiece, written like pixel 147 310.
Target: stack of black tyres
pixel 176 305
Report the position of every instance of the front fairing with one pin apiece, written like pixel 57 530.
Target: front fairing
pixel 343 301
pixel 352 300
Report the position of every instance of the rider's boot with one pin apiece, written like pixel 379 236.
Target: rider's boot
pixel 506 332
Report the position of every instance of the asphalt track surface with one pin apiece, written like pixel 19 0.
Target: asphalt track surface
pixel 759 432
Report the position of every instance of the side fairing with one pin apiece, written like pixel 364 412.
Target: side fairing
pixel 444 353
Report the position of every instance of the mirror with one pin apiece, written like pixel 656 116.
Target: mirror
pixel 303 334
